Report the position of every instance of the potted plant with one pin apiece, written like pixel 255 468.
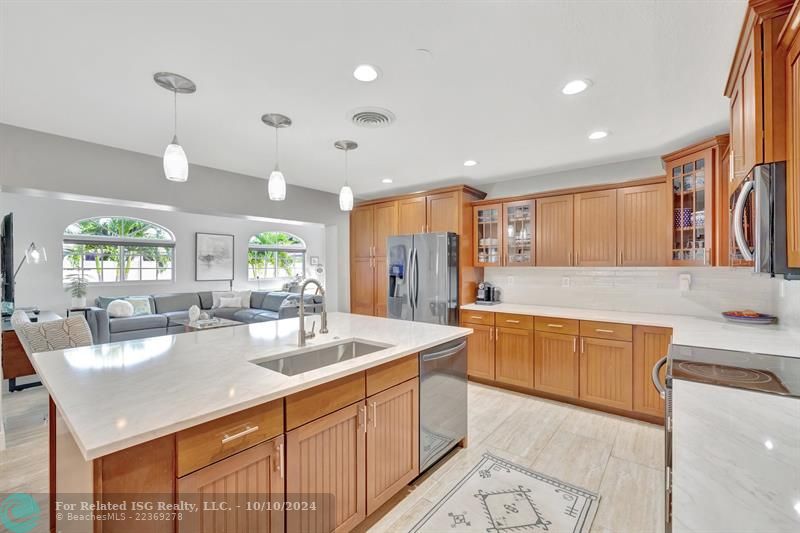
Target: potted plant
pixel 78 286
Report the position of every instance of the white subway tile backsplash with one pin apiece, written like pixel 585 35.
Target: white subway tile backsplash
pixel 654 290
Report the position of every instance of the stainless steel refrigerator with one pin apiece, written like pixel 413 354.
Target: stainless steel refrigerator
pixel 423 278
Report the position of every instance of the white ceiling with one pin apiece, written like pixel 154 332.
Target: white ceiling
pixel 490 89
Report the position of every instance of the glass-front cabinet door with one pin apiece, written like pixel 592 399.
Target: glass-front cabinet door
pixel 692 179
pixel 488 235
pixel 518 220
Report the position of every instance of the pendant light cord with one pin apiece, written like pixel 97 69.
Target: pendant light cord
pixel 175 113
pixel 346 180
pixel 277 153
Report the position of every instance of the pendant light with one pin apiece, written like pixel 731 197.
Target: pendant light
pixel 276 187
pixel 176 166
pixel 346 193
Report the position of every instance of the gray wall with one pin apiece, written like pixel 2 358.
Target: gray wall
pixel 596 175
pixel 41 164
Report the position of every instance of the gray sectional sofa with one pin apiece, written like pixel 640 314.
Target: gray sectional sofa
pixel 167 308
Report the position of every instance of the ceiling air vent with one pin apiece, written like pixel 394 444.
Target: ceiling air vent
pixel 371 117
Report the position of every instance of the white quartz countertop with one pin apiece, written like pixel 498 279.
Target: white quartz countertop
pixel 113 396
pixel 692 331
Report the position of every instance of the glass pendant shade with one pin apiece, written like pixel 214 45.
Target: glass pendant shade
pixel 346 198
pixel 276 186
pixel 176 166
pixel 35 254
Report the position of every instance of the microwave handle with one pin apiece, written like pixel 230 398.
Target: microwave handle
pixel 738 221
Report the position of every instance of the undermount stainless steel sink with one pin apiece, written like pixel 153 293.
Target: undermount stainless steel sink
pixel 311 359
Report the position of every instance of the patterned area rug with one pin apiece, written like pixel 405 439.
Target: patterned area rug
pixel 500 496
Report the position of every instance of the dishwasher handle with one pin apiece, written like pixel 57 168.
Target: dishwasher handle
pixel 654 376
pixel 444 353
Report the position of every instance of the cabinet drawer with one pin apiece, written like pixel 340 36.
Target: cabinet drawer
pixel 566 326
pixel 606 330
pixel 316 402
pixel 390 374
pixel 210 442
pixel 477 317
pixel 507 320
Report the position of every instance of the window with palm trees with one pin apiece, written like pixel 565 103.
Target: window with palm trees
pixel 275 255
pixel 115 249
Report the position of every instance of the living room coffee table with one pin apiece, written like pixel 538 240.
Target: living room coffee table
pixel 201 325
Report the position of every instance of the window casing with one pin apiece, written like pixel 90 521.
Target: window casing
pixel 118 249
pixel 275 255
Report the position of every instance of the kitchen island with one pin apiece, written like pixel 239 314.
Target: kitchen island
pixel 178 415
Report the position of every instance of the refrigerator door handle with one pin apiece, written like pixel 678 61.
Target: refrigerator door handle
pixel 415 276
pixel 410 277
pixel 738 221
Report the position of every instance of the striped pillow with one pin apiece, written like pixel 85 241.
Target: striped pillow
pixel 55 335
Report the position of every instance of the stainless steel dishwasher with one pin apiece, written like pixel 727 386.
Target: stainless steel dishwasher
pixel 442 400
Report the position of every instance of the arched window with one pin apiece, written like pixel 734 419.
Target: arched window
pixel 275 255
pixel 114 249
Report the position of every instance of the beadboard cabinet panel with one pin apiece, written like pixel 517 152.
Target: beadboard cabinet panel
pixel 606 372
pixel 554 231
pixel 556 364
pixel 596 228
pixel 649 345
pixel 514 356
pixel 642 225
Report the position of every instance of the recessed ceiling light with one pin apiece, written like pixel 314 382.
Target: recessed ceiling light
pixel 576 86
pixel 599 134
pixel 470 163
pixel 366 73
pixel 386 180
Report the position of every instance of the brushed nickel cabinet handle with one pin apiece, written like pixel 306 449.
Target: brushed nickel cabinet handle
pixel 574 344
pixel 227 438
pixel 621 260
pixel 582 345
pixel 512 321
pixel 555 325
pixel 491 334
pixel 569 261
pixel 374 414
pixel 476 317
pixel 363 411
pixel 599 330
pixel 280 459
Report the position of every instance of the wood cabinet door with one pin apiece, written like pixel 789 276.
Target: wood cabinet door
pixel 444 212
pixel 606 372
pixel 412 215
pixel 554 231
pixel 384 227
pixel 556 363
pixel 518 231
pixel 513 357
pixel 793 164
pixel 362 286
pixel 380 272
pixel 362 223
pixel 643 227
pixel 480 351
pixel 649 345
pixel 254 475
pixel 392 441
pixel 596 228
pixel 328 456
pixel 750 109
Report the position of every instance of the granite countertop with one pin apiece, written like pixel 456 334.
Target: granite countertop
pixel 113 396
pixel 690 331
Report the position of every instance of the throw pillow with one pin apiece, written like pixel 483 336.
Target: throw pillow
pixel 244 295
pixel 233 301
pixel 120 308
pixel 141 305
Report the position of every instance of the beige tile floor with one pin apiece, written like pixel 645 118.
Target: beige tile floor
pixel 621 459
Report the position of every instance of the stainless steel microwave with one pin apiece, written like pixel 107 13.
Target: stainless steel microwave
pixel 758 220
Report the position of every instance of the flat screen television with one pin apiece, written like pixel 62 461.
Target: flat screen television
pixel 7 253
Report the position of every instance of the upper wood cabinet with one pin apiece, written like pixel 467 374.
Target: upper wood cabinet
pixel 554 230
pixel 370 228
pixel 254 475
pixel 642 225
pixel 488 235
pixel 596 228
pixel 695 177
pixel 756 88
pixel 791 44
pixel 362 227
pixel 413 215
pixel 444 212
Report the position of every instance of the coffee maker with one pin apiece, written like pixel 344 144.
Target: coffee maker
pixel 488 294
